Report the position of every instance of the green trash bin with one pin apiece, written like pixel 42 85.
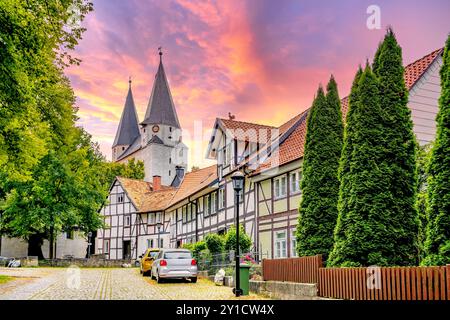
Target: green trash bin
pixel 244 274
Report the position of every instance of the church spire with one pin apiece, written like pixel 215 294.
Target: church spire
pixel 128 129
pixel 161 109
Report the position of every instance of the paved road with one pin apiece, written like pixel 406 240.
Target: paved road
pixel 102 284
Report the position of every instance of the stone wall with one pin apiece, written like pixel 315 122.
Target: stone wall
pixel 95 262
pixel 285 290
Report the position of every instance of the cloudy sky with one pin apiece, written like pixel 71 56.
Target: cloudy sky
pixel 260 60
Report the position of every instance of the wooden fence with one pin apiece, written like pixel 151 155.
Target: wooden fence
pixel 302 269
pixel 396 283
pixel 376 283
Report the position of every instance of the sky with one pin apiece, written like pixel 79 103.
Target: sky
pixel 260 60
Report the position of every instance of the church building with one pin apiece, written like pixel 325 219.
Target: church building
pixel 157 140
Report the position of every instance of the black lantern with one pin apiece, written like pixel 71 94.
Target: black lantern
pixel 238 186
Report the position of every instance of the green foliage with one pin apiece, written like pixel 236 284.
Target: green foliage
pixel 214 243
pixel 423 160
pixel 320 185
pixel 377 222
pixel 437 244
pixel 35 40
pixel 132 169
pixel 245 242
pixel 198 247
pixel 189 246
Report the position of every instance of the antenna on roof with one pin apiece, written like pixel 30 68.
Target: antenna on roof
pixel 129 81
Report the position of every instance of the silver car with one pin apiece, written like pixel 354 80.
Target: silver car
pixel 173 264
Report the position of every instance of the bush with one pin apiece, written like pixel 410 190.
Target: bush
pixel 189 246
pixel 214 243
pixel 245 242
pixel 197 248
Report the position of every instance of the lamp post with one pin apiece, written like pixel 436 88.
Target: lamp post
pixel 238 186
pixel 89 244
pixel 159 225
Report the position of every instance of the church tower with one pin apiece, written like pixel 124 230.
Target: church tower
pixel 158 140
pixel 163 150
pixel 128 130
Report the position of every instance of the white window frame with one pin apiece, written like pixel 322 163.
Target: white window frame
pixel 184 213
pixel 294 180
pixel 293 243
pixel 151 218
pixel 279 189
pixel 106 247
pixel 213 203
pixel 206 205
pixel 121 197
pixel 280 245
pixel 158 217
pixel 127 221
pixel 221 195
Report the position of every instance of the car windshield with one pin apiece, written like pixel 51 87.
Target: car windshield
pixel 177 255
pixel 153 254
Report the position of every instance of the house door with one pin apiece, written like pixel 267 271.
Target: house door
pixel 126 249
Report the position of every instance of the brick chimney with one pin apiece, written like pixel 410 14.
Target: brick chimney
pixel 156 183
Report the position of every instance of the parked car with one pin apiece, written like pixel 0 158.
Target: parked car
pixel 174 264
pixel 147 260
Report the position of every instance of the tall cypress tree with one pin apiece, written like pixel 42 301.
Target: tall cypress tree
pixel 400 153
pixel 360 232
pixel 344 168
pixel 377 221
pixel 437 245
pixel 320 184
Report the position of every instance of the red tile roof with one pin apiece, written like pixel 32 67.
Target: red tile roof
pixel 293 147
pixel 247 131
pixel 143 196
pixel 193 182
pixel 413 72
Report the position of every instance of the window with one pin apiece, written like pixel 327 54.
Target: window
pixel 184 213
pixel 169 173
pixel 158 217
pixel 170 129
pixel 295 178
pixel 69 234
pixel 280 244
pixel 149 243
pixel 106 246
pixel 213 202
pixel 120 197
pixel 170 160
pixel 221 198
pixel 127 221
pixel 206 205
pixel 228 154
pixel 293 243
pixel 189 212
pixel 280 187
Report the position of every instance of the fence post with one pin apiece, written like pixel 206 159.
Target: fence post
pixel 447 275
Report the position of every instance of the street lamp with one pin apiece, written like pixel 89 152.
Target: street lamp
pixel 89 244
pixel 159 225
pixel 238 185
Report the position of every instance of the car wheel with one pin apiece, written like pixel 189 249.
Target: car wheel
pixel 194 279
pixel 158 279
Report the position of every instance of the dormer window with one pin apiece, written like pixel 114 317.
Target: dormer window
pixel 170 129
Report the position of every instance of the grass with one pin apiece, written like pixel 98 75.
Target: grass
pixel 5 279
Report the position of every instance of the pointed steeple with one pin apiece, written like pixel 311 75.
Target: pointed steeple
pixel 128 129
pixel 161 109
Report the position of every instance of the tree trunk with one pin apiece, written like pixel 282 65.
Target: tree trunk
pixel 50 244
pixel 35 246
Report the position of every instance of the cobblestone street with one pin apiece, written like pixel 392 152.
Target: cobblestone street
pixel 103 284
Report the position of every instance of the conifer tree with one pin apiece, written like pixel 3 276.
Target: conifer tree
pixel 320 184
pixel 437 245
pixel 377 221
pixel 400 154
